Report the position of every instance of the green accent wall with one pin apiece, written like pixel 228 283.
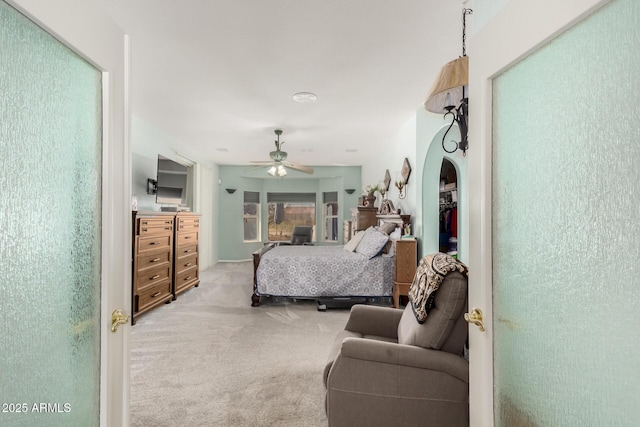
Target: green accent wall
pixel 250 178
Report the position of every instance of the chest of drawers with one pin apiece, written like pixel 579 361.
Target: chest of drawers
pixel 165 260
pixel 186 270
pixel 152 266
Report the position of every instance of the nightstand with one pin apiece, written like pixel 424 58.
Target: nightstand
pixel 406 262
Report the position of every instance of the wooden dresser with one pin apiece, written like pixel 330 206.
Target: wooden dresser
pixel 362 218
pixel 152 266
pixel 406 263
pixel 186 271
pixel 165 259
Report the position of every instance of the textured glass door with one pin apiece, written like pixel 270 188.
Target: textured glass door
pixel 50 222
pixel 566 230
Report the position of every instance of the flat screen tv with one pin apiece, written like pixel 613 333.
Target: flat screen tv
pixel 171 186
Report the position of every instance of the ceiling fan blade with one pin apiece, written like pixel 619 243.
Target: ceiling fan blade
pixel 301 168
pixel 260 162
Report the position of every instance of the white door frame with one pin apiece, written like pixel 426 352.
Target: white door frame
pixel 85 29
pixel 520 28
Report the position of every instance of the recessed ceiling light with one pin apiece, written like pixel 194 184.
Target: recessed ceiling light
pixel 305 97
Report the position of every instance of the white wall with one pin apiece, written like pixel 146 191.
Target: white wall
pixel 400 146
pixel 482 13
pixel 146 143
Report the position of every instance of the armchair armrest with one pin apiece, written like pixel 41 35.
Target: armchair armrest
pixel 374 320
pixel 405 355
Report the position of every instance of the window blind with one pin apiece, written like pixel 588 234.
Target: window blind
pixel 291 197
pixel 330 197
pixel 251 197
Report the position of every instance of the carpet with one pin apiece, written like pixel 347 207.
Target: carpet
pixel 210 359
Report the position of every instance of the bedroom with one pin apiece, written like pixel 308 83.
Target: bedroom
pixel 371 173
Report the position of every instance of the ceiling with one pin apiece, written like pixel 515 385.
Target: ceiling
pixel 218 76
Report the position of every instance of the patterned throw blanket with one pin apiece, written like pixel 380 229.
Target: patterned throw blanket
pixel 430 273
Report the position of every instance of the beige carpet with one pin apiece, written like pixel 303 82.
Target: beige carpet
pixel 210 359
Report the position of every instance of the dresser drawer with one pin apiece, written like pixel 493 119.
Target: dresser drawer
pixel 155 226
pixel 186 250
pixel 186 262
pixel 153 260
pixel 152 277
pixel 153 243
pixel 187 277
pixel 187 238
pixel 154 294
pixel 188 224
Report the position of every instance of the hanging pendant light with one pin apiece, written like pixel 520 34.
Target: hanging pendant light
pixel 448 93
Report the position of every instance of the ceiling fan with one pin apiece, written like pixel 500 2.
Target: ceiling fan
pixel 279 161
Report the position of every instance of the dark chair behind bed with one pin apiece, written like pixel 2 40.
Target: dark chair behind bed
pixel 301 236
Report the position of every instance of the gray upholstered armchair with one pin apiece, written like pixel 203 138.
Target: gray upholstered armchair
pixel 301 235
pixel 386 369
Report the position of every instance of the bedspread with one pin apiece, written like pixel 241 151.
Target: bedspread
pixel 323 271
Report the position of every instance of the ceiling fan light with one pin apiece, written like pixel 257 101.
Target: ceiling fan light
pixel 272 171
pixel 281 171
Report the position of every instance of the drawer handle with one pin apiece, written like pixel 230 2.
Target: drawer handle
pixel 187 251
pixel 157 276
pixel 187 278
pixel 167 222
pixel 145 229
pixel 156 294
pixel 187 264
pixel 187 237
pixel 154 243
pixel 144 223
pixel 155 260
pixel 167 228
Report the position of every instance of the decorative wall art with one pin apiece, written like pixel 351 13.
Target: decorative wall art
pixel 401 184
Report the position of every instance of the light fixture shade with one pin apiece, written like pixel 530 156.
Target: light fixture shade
pixel 447 90
pixel 277 170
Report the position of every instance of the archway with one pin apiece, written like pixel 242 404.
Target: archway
pixel 430 194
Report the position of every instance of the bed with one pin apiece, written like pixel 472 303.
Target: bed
pixel 325 273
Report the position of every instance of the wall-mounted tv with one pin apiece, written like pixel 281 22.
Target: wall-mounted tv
pixel 171 187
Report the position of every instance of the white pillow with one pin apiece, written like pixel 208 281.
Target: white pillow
pixel 353 243
pixel 372 242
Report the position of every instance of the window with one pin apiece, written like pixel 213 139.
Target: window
pixel 251 216
pixel 287 210
pixel 330 204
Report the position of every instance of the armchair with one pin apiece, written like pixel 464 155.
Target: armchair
pixel 386 369
pixel 301 235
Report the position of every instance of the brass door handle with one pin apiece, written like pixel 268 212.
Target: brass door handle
pixel 118 318
pixel 475 317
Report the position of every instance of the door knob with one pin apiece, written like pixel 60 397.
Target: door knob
pixel 475 317
pixel 118 318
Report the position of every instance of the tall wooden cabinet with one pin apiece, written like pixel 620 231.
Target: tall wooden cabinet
pixel 363 217
pixel 152 266
pixel 406 263
pixel 164 258
pixel 186 271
